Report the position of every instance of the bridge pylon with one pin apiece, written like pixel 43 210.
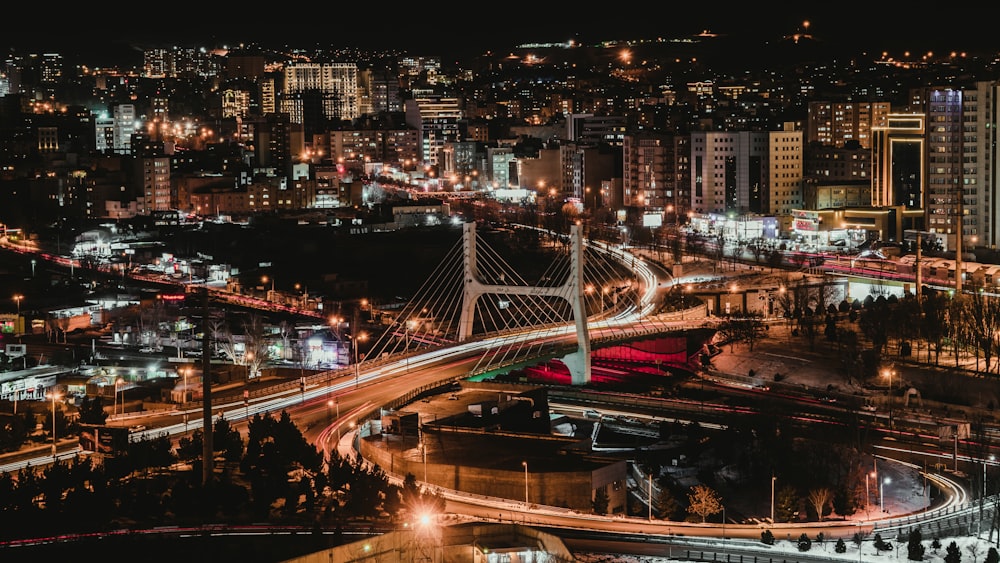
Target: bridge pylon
pixel 572 290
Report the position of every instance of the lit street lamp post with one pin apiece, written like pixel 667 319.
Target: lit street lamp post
pixel 525 464
pixel 888 374
pixel 650 494
pixel 185 396
pixel 423 451
pixel 773 479
pixel 114 404
pixel 881 492
pixel 990 459
pixel 357 364
pixel 53 395
pixel 17 322
pixel 868 495
pixel 982 499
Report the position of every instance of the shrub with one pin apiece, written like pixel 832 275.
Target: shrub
pixel 766 537
pixel 915 547
pixel 840 546
pixel 805 544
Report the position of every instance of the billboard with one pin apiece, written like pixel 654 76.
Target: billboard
pixel 652 220
pixel 106 440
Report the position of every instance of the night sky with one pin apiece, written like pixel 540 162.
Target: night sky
pixel 465 29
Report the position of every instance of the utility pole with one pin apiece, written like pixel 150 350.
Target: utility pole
pixel 207 459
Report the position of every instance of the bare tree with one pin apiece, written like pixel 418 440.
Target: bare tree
pixel 820 498
pixel 256 347
pixel 221 336
pixel 285 330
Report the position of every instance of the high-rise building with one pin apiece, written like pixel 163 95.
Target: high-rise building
pixel 758 172
pixel 499 163
pixel 436 119
pixel 962 153
pixel 656 172
pixel 123 125
pixel 839 123
pixel 781 192
pixel 336 84
pixel 154 173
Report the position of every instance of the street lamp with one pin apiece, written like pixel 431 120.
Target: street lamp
pixel 357 365
pixel 888 374
pixel 881 492
pixel 265 279
pixel 525 464
pixel 773 479
pixel 185 396
pixel 868 495
pixel 982 499
pixel 114 407
pixel 54 396
pixel 989 459
pixel 650 495
pixel 17 322
pixel 423 451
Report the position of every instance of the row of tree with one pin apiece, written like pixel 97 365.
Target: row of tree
pixel 273 475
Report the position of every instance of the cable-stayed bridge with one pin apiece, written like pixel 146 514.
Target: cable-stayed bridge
pixel 591 290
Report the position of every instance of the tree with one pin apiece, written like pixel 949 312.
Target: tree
pixel 880 544
pixel 840 546
pixel 973 549
pixel 820 498
pixel 601 501
pixel 952 553
pixel 786 504
pixel 992 556
pixel 667 503
pixel 92 410
pixel 767 537
pixel 703 501
pixel 915 547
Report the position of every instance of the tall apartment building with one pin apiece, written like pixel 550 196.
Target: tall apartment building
pixel 460 164
pixel 740 172
pixel 336 84
pixel 125 126
pixel 272 143
pixel 104 133
pixel 413 69
pixel 235 103
pixel 154 173
pixel 379 91
pixel 437 121
pixel 838 123
pixel 179 62
pixel 586 128
pixel 500 168
pixel 391 146
pixel 962 153
pixel 782 191
pixel 657 173
pixel 836 176
pixel 268 95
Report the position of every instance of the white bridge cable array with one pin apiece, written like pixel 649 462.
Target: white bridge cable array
pixel 616 289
